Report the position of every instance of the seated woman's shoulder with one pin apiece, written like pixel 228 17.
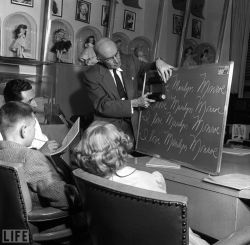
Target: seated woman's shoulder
pixel 151 181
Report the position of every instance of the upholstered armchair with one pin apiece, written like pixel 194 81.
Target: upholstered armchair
pixel 16 211
pixel 122 214
pixel 241 237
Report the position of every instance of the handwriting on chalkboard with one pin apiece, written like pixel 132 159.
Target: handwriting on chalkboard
pixel 189 125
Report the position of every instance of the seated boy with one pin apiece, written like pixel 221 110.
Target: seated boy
pixel 17 126
pixel 21 90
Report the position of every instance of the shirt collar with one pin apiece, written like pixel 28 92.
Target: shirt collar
pixel 125 171
pixel 10 144
pixel 118 69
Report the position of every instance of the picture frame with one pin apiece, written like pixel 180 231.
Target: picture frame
pixel 57 8
pixel 177 24
pixel 196 28
pixel 83 11
pixel 28 3
pixel 129 20
pixel 105 15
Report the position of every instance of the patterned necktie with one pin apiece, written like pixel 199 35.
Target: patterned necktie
pixel 119 85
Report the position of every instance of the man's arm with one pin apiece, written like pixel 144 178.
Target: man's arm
pixel 43 179
pixel 116 108
pixel 143 101
pixel 164 70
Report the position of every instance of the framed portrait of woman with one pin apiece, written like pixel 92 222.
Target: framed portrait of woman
pixel 129 20
pixel 177 24
pixel 57 8
pixel 83 10
pixel 196 28
pixel 105 15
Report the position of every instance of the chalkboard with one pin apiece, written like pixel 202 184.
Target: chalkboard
pixel 188 126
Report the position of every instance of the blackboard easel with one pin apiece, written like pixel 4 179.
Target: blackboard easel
pixel 188 127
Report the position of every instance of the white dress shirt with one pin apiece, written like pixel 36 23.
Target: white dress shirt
pixel 119 73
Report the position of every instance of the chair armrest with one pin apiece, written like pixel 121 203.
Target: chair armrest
pixel 241 237
pixel 20 173
pixel 51 236
pixel 131 190
pixel 46 214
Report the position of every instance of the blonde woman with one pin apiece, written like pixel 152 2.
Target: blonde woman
pixel 103 151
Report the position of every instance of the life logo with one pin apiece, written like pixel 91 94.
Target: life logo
pixel 15 236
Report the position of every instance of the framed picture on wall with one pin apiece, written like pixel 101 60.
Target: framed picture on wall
pixel 105 15
pixel 28 3
pixel 177 24
pixel 83 10
pixel 129 20
pixel 57 7
pixel 196 28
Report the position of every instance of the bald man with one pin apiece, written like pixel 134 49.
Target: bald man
pixel 112 86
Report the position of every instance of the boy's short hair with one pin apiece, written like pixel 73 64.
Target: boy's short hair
pixel 12 112
pixel 103 149
pixel 13 89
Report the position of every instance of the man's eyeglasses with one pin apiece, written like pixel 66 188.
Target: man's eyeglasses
pixel 111 58
pixel 31 102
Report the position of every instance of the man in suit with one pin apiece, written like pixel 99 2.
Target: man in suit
pixel 113 87
pixel 47 188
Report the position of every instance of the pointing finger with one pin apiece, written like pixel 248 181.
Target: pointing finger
pixel 150 100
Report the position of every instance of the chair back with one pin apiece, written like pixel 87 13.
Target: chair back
pixel 15 200
pixel 122 214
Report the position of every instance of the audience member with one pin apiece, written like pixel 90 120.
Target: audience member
pixel 21 90
pixel 17 126
pixel 103 151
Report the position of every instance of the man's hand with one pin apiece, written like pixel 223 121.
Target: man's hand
pixel 49 147
pixel 164 70
pixel 142 101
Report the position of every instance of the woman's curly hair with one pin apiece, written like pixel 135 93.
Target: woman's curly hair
pixel 103 149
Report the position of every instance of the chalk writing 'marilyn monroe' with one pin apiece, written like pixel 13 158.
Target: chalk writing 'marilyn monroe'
pixel 189 125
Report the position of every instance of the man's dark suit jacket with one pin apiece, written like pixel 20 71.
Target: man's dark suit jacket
pixel 103 93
